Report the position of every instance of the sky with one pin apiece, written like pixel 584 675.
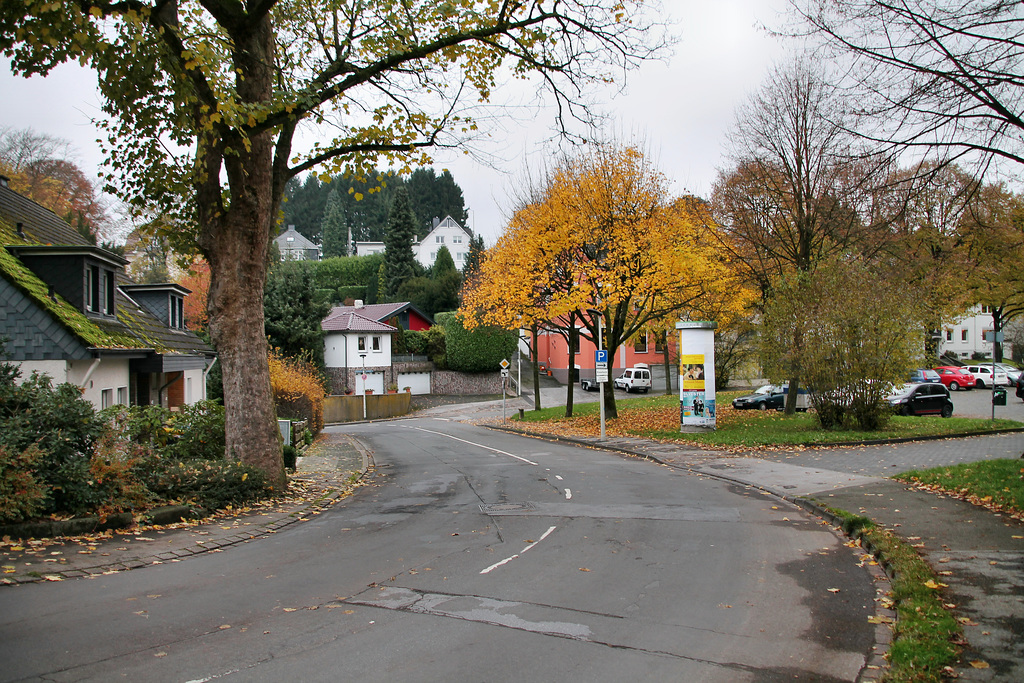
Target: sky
pixel 678 110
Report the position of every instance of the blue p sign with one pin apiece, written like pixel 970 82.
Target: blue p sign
pixel 601 356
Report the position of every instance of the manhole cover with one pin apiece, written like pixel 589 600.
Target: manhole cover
pixel 498 508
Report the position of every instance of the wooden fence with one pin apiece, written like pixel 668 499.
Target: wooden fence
pixel 378 406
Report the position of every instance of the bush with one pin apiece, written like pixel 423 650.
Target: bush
pixel 415 342
pixel 479 350
pixel 289 454
pixel 210 485
pixel 113 472
pixel 62 425
pixel 21 495
pixel 299 391
pixel 198 431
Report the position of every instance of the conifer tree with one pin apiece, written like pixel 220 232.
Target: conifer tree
pixel 399 260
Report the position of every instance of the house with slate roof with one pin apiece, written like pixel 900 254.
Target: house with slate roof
pixel 68 310
pixel 294 246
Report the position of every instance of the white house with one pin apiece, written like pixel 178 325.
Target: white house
pixel 447 233
pixel 357 351
pixel 966 336
pixel 294 246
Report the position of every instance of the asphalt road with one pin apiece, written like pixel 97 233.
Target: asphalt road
pixel 477 556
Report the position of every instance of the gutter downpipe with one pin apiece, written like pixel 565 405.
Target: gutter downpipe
pixel 88 373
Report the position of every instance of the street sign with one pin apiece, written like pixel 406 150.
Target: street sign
pixel 994 336
pixel 601 356
pixel 504 364
pixel 504 372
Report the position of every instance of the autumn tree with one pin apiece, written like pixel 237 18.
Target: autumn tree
pixel 855 346
pixel 604 242
pixel 41 167
pixel 197 280
pixel 203 100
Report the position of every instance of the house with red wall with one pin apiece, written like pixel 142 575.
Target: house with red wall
pixel 553 355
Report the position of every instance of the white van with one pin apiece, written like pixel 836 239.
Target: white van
pixel 636 378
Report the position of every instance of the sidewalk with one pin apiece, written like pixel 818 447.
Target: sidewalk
pixel 322 476
pixel 979 554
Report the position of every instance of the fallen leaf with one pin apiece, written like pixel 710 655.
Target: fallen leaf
pixel 584 569
pixel 833 590
pixel 978 664
pixel 880 619
pixel 160 654
pixel 225 626
pixel 290 609
pixel 931 583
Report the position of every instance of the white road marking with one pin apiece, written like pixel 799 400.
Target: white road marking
pixel 509 559
pixel 479 445
pixel 568 494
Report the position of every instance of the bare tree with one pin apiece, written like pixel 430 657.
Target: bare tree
pixel 797 193
pixel 930 74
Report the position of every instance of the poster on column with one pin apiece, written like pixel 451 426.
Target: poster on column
pixel 697 407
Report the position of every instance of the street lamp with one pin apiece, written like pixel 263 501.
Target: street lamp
pixel 600 347
pixel 362 357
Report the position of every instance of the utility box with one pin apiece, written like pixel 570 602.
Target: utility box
pixel 999 397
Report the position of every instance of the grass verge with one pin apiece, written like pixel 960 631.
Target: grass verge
pixel 994 484
pixel 926 636
pixel 657 417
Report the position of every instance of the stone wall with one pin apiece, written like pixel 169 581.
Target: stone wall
pixel 465 384
pixel 444 382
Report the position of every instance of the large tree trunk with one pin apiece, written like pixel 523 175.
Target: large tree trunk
pixel 235 238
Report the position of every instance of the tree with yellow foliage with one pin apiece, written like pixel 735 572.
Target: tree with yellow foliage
pixel 603 241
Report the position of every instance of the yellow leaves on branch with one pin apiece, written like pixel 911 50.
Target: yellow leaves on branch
pixel 604 226
pixel 296 381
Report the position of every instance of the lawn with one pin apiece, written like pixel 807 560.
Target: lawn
pixel 995 484
pixel 657 417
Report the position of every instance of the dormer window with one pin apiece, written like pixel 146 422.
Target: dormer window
pixel 177 313
pixel 110 289
pixel 92 288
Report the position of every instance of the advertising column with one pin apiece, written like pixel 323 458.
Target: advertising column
pixel 696 375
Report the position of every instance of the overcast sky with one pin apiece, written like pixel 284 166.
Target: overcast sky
pixel 679 111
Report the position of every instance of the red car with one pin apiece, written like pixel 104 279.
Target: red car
pixel 955 378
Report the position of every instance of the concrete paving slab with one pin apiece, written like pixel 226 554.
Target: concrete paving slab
pixel 783 478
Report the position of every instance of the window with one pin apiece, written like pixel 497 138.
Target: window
pixel 376 343
pixel 176 313
pixel 576 338
pixel 986 310
pixel 640 346
pixel 108 276
pixel 122 396
pixel 92 288
pixel 949 335
pixel 361 343
pixel 659 344
pixel 439 239
pixel 461 256
pixel 106 398
pixel 963 335
pixel 456 239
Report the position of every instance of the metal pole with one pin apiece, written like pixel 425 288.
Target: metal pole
pixel 993 375
pixel 600 347
pixel 362 356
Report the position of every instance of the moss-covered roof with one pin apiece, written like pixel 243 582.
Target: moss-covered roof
pixel 134 327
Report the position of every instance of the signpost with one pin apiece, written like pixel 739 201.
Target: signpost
pixel 504 377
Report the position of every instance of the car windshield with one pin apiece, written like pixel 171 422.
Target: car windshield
pixel 766 389
pixel 900 392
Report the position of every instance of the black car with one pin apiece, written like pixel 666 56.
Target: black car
pixel 1020 386
pixel 922 399
pixel 768 396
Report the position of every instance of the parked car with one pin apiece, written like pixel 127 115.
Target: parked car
pixel 769 396
pixel 984 378
pixel 1020 386
pixel 636 378
pixel 922 399
pixel 955 378
pixel 924 376
pixel 1012 373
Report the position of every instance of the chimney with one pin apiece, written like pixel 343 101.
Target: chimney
pixel 358 303
pixel 20 227
pixel 436 222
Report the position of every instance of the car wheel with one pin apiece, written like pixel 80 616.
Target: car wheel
pixel 646 389
pixel 980 384
pixel 763 405
pixel 947 410
pixel 904 410
pixel 953 386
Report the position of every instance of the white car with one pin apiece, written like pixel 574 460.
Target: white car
pixel 1012 373
pixel 983 375
pixel 637 378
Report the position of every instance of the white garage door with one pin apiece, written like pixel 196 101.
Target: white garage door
pixel 374 380
pixel 418 381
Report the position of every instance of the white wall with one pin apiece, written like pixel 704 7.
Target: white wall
pixel 195 386
pixel 973 326
pixel 108 375
pixel 335 350
pixel 374 359
pixel 56 369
